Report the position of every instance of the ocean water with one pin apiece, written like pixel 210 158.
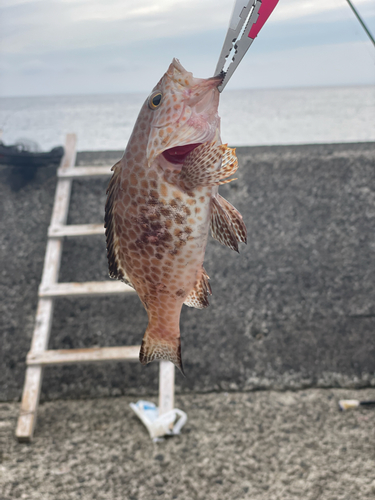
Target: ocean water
pixel 248 117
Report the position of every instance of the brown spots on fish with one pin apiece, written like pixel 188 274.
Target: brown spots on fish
pixel 191 201
pixel 180 219
pixel 180 292
pixel 140 200
pixel 177 195
pixel 197 210
pixel 166 211
pixel 163 190
pixel 149 250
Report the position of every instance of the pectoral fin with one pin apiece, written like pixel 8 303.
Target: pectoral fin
pixel 207 165
pixel 198 297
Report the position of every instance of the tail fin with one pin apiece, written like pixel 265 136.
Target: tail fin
pixel 154 349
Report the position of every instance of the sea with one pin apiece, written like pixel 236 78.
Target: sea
pixel 248 117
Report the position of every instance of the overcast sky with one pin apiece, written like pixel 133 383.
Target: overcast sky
pixel 53 47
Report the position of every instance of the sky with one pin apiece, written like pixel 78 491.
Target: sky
pixel 63 47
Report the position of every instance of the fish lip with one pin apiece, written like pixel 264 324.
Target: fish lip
pixel 202 90
pixel 217 79
pixel 177 154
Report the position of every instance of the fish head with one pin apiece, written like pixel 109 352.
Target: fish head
pixel 183 114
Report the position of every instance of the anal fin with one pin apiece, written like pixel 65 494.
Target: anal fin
pixel 198 297
pixel 227 225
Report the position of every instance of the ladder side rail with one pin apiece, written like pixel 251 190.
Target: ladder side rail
pixel 166 386
pixel 43 319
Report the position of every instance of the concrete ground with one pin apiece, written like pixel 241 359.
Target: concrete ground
pixel 262 445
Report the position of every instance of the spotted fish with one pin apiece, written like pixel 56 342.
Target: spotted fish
pixel 163 198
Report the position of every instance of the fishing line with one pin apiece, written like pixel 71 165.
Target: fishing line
pixel 362 22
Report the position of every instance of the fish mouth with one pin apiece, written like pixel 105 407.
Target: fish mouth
pixel 178 154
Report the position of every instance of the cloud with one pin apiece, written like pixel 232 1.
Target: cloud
pixel 73 46
pixel 318 10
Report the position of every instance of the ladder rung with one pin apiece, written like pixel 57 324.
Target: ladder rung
pixel 75 230
pixel 91 355
pixel 87 288
pixel 78 172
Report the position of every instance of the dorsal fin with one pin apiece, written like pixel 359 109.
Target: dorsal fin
pixel 116 270
pixel 198 297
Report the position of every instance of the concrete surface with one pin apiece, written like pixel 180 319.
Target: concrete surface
pixel 295 309
pixel 263 445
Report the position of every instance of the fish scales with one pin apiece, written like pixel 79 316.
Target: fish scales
pixel 162 200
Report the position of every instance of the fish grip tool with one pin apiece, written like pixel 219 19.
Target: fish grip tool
pixel 247 20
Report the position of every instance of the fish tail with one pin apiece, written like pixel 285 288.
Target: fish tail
pixel 153 349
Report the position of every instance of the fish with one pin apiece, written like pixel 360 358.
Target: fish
pixel 163 199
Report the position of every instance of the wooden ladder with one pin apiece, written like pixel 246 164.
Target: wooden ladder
pixel 50 289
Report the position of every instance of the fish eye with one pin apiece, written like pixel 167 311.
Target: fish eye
pixel 155 99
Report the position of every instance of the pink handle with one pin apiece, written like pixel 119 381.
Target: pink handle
pixel 265 10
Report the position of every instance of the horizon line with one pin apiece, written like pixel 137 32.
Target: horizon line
pixel 80 94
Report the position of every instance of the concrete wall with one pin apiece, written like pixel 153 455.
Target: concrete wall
pixel 294 309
